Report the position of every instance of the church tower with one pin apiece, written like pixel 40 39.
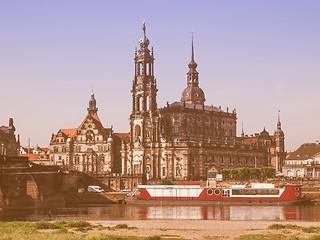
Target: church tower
pixel 193 93
pixel 92 109
pixel 144 119
pixel 144 90
pixel 279 142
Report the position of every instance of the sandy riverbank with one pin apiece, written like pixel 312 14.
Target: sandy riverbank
pixel 202 229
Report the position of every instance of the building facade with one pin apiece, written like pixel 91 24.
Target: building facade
pixel 90 148
pixel 9 145
pixel 304 162
pixel 187 138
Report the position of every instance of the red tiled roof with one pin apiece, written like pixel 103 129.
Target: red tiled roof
pixel 73 131
pixel 69 132
pixel 33 157
pixel 251 140
pixel 45 149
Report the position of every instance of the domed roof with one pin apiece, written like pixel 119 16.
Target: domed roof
pixel 69 139
pixel 193 94
pixel 144 41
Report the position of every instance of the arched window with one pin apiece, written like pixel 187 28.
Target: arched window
pixel 137 131
pixel 289 173
pixel 298 173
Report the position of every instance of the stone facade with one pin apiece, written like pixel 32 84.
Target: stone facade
pixel 90 148
pixel 8 144
pixel 185 139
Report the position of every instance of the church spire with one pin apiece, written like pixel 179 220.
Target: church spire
pixel 92 109
pixel 242 132
pixel 193 74
pixel 193 93
pixel 279 123
pixel 192 65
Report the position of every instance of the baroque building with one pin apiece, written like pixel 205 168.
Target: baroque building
pixel 187 138
pixel 90 148
pixel 9 145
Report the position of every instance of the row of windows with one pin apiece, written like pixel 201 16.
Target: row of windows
pixel 78 149
pixel 176 120
pixel 148 69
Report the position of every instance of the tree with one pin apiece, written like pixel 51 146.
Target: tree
pixel 244 173
pixel 267 172
pixel 255 172
pixel 235 173
pixel 226 172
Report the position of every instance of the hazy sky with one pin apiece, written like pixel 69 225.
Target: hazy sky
pixel 255 56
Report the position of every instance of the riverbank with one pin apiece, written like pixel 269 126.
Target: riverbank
pixel 204 229
pixel 161 229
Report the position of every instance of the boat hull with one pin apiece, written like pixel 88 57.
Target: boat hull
pixel 213 202
pixel 259 194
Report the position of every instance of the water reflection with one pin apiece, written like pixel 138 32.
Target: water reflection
pixel 133 212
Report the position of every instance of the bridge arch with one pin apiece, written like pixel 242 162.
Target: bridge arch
pixel 32 188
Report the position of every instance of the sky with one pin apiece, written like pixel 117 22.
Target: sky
pixel 256 56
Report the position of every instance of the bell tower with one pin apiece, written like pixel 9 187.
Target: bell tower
pixel 279 144
pixel 144 89
pixel 144 118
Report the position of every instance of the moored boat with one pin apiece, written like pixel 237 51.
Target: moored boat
pixel 257 193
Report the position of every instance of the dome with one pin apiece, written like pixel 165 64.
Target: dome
pixel 193 95
pixel 144 41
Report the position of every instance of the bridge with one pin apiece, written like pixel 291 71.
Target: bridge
pixel 24 184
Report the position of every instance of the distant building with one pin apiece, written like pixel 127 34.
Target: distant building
pixel 274 144
pixel 304 162
pixel 90 148
pixel 186 138
pixel 37 155
pixel 9 145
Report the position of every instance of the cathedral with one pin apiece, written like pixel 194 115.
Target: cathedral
pixel 181 141
pixel 185 139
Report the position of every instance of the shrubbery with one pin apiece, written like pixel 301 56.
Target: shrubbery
pixel 248 173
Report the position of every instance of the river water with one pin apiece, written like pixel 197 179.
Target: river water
pixel 137 212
